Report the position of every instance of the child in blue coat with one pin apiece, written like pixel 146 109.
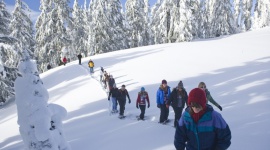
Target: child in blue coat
pixel 201 127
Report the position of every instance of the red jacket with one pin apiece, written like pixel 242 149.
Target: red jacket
pixel 64 59
pixel 142 98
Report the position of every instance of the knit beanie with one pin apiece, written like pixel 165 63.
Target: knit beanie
pixel 164 81
pixel 197 95
pixel 180 85
pixel 142 89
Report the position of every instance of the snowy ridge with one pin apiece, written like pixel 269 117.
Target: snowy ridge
pixel 235 69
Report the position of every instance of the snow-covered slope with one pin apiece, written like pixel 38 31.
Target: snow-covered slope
pixel 235 69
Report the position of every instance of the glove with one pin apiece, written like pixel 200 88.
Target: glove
pixel 137 106
pixel 148 105
pixel 158 105
pixel 108 98
pixel 220 108
pixel 129 101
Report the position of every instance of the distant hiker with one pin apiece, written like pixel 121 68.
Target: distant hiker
pixel 123 93
pixel 209 98
pixel 201 127
pixel 80 59
pixel 141 102
pixel 91 66
pixel 163 94
pixel 64 60
pixel 49 67
pixel 105 78
pixel 60 61
pixel 111 82
pixel 114 94
pixel 101 73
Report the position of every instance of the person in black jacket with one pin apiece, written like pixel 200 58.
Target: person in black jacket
pixel 123 93
pixel 113 94
pixel 177 100
pixel 111 82
pixel 80 58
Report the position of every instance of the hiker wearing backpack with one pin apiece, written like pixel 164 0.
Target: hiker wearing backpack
pixel 163 94
pixel 91 66
pixel 209 98
pixel 114 92
pixel 177 100
pixel 111 82
pixel 141 102
pixel 122 95
pixel 201 127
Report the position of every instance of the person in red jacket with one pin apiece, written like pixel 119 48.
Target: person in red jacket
pixel 141 102
pixel 64 60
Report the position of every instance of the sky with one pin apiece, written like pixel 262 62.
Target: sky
pixel 34 5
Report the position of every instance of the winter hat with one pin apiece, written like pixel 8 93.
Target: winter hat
pixel 164 81
pixel 197 95
pixel 180 85
pixel 142 89
pixel 123 86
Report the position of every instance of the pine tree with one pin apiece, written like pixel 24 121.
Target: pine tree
pixel 161 21
pixel 223 22
pixel 79 31
pixel 40 123
pixel 53 41
pixel 261 14
pixel 116 29
pixel 135 15
pixel 245 14
pixel 22 27
pixel 8 56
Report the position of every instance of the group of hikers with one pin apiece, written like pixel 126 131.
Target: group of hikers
pixel 199 127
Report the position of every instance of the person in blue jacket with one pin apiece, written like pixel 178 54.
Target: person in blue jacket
pixel 201 127
pixel 163 94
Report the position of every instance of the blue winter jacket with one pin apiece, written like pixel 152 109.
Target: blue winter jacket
pixel 160 95
pixel 210 133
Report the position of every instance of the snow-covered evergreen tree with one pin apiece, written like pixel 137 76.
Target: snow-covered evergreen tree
pixel 9 56
pixel 40 123
pixel 180 27
pixel 22 27
pixel 116 29
pixel 53 41
pixel 223 22
pixel 137 21
pixel 261 14
pixel 161 21
pixel 79 30
pixel 245 7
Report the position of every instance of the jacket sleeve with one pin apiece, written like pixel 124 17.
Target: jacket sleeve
pixel 180 136
pixel 138 99
pixel 210 98
pixel 171 98
pixel 223 138
pixel 186 99
pixel 127 95
pixel 147 98
pixel 157 97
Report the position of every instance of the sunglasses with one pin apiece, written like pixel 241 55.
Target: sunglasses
pixel 203 87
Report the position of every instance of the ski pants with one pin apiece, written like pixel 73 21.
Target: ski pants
pixel 178 114
pixel 122 104
pixel 142 108
pixel 80 61
pixel 164 113
pixel 91 70
pixel 114 106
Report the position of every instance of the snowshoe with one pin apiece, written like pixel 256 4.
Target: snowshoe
pixel 121 117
